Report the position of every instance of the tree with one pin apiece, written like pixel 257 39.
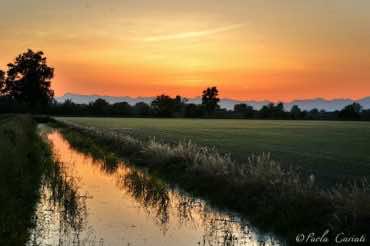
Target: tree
pixel 265 111
pixel 121 108
pixel 166 106
pixel 279 107
pixel 210 99
pixel 2 81
pixel 180 103
pixel 351 112
pixel 295 112
pixel 69 107
pixel 99 107
pixel 28 79
pixel 244 109
pixel 278 111
pixel 193 110
pixel 313 114
pixel 142 108
pixel 273 111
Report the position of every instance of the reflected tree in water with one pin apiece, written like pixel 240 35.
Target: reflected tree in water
pixel 220 228
pixel 62 206
pixel 151 193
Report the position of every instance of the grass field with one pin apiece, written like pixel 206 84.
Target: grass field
pixel 330 150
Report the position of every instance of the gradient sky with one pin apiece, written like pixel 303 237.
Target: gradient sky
pixel 250 49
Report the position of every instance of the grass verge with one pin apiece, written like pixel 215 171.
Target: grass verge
pixel 23 158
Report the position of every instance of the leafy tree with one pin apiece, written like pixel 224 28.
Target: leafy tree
pixel 265 111
pixel 142 108
pixel 2 81
pixel 278 111
pixel 179 109
pixel 166 106
pixel 210 99
pixel 121 108
pixel 244 109
pixel 69 107
pixel 279 107
pixel 28 79
pixel 295 112
pixel 99 107
pixel 351 112
pixel 193 110
pixel 273 111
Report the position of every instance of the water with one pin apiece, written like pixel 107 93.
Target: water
pixel 91 202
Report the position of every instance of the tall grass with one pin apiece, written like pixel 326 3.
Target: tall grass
pixel 23 157
pixel 280 198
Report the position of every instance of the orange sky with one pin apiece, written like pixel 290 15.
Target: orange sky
pixel 276 50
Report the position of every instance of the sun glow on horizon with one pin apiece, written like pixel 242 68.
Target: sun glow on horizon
pixel 249 50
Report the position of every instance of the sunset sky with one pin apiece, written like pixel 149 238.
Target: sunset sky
pixel 250 49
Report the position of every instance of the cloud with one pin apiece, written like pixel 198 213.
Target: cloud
pixel 185 35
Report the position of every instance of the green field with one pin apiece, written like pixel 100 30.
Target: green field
pixel 330 150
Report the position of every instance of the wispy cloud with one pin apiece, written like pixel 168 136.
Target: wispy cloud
pixel 185 35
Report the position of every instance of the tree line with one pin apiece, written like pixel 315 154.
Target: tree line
pixel 177 107
pixel 26 88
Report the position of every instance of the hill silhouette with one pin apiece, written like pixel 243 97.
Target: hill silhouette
pixel 304 104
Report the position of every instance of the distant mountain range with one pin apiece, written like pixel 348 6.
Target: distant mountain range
pixel 307 104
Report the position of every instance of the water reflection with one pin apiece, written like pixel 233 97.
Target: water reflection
pixel 150 192
pixel 92 202
pixel 61 210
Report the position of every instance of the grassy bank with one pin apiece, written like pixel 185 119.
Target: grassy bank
pixel 330 150
pixel 23 157
pixel 277 198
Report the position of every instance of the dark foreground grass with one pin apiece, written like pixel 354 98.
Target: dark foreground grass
pixel 23 157
pixel 276 198
pixel 330 150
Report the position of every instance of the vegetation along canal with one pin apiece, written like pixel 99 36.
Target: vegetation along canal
pixel 86 201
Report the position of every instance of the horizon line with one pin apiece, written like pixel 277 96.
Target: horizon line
pixel 225 98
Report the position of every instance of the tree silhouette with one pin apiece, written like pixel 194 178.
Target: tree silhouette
pixel 278 111
pixel 142 108
pixel 295 112
pixel 279 107
pixel 2 81
pixel 179 109
pixel 244 109
pixel 351 112
pixel 99 107
pixel 69 107
pixel 121 108
pixel 265 111
pixel 166 106
pixel 193 110
pixel 210 99
pixel 28 79
pixel 273 111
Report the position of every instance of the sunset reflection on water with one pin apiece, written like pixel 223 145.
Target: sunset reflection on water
pixel 103 203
